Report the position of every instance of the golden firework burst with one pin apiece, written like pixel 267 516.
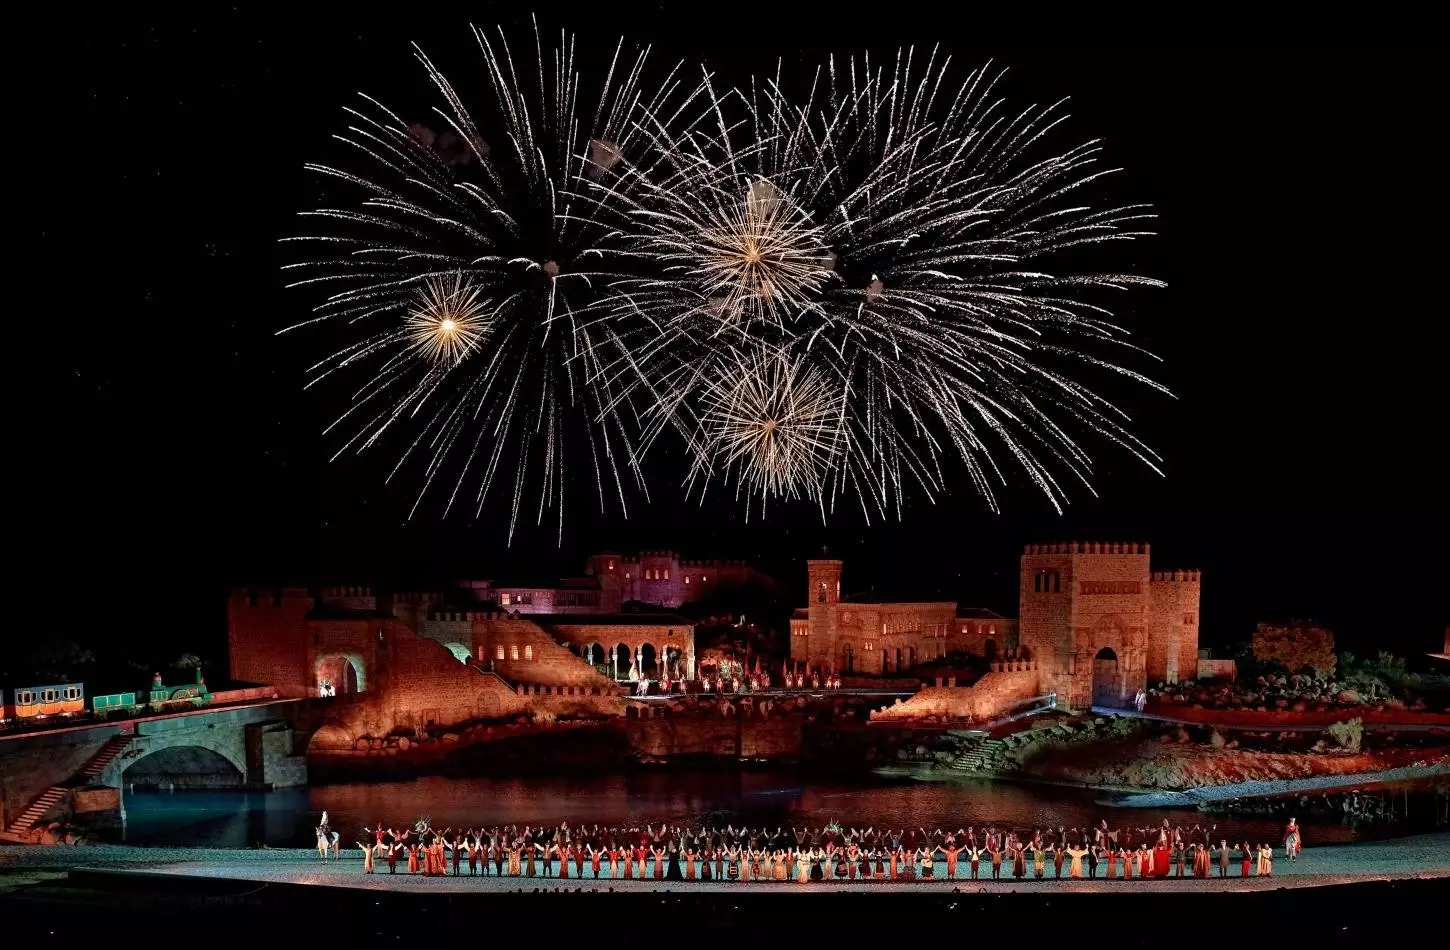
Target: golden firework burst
pixel 448 321
pixel 774 421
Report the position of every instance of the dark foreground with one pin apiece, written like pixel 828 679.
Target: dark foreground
pixel 220 912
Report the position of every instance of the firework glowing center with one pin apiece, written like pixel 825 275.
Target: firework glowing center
pixel 449 320
pixel 762 256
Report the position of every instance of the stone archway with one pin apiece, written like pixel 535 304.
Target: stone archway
pixel 672 661
pixel 623 659
pixel 648 661
pixel 1107 678
pixel 596 658
pixel 183 765
pixel 848 658
pixel 344 673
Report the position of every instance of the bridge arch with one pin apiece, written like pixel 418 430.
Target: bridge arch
pixel 184 760
pixel 345 672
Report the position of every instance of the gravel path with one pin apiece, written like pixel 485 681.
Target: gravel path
pixel 1194 797
pixel 1416 857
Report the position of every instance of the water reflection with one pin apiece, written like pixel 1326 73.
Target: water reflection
pixel 286 818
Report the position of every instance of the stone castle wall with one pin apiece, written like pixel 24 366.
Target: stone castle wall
pixel 1173 627
pixel 266 643
pixel 991 697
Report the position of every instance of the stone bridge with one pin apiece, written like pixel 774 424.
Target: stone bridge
pixel 83 771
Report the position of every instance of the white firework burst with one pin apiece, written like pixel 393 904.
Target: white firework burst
pixel 771 422
pixel 449 321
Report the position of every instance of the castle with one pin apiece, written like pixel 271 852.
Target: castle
pixel 1097 621
pixel 577 636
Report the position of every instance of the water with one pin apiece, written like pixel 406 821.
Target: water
pixel 286 818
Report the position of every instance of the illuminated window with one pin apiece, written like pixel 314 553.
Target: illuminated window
pixel 505 599
pixel 514 651
pixel 667 573
pixel 611 565
pixel 687 578
pixel 528 651
pixel 626 575
pixel 498 651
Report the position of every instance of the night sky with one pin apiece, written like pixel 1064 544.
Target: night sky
pixel 168 450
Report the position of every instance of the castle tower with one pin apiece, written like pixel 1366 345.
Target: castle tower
pixel 1084 618
pixel 823 589
pixel 1173 627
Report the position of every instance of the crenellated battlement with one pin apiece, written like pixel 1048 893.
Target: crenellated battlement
pixel 712 563
pixel 418 597
pixel 1088 547
pixel 337 593
pixel 1175 577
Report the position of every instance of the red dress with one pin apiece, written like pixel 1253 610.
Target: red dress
pixel 1162 858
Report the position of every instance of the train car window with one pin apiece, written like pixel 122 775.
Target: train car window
pixel 72 692
pixel 48 696
pixel 24 697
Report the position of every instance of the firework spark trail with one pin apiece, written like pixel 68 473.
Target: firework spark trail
pixel 466 268
pixel 896 238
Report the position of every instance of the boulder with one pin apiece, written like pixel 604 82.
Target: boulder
pixel 1347 696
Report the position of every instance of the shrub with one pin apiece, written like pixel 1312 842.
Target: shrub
pixel 1348 735
pixel 1217 740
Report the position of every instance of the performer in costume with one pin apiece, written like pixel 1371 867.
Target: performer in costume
pixel 1074 869
pixel 1292 840
pixel 367 851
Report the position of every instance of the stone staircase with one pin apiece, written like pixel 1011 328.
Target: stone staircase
pixel 114 746
pixel 56 793
pixel 983 755
pixel 37 810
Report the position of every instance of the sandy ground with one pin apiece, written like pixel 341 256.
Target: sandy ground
pixel 1416 857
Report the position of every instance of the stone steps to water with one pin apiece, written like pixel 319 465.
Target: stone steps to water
pixel 37 810
pixel 981 756
pixel 114 746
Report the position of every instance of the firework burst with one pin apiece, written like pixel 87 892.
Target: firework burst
pixel 449 321
pixel 457 275
pixel 911 243
pixel 771 422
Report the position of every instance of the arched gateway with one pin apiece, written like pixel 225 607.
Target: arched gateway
pixel 1107 679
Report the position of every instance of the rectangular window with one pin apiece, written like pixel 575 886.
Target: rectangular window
pixel 498 651
pixel 24 697
pixel 1188 619
pixel 48 696
pixel 505 599
pixel 528 651
pixel 72 692
pixel 667 574
pixel 514 651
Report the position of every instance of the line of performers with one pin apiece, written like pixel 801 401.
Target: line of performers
pixel 669 853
